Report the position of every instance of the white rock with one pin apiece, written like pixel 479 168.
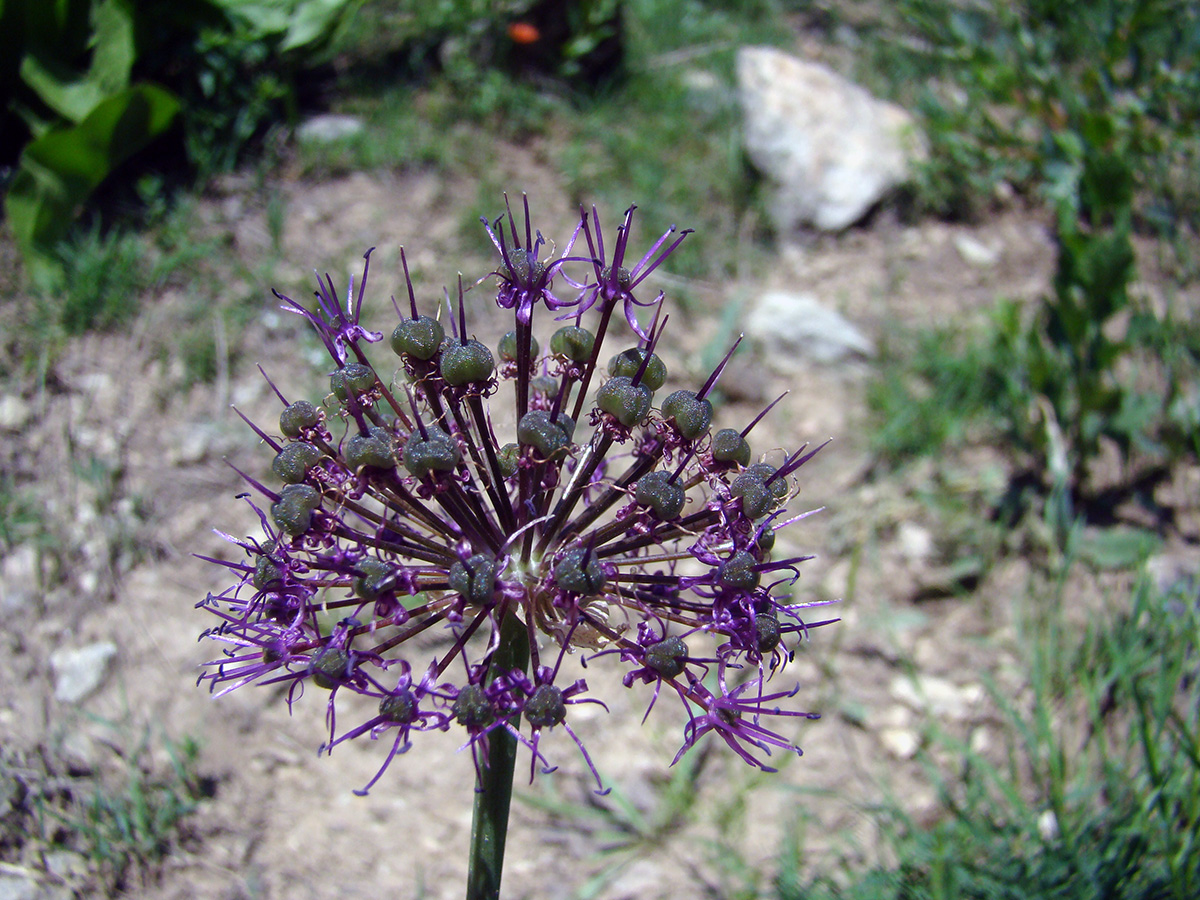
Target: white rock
pixel 18 887
pixel 937 696
pixel 18 578
pixel 80 671
pixel 1047 825
pixel 15 413
pixel 902 743
pixel 976 253
pixel 915 541
pixel 831 149
pixel 797 326
pixel 327 128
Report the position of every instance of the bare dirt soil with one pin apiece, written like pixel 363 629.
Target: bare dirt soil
pixel 283 822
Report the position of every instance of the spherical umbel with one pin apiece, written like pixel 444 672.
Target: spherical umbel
pixel 524 502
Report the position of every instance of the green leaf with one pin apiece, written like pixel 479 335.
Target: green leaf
pixel 73 94
pixel 60 169
pixel 1118 548
pixel 313 21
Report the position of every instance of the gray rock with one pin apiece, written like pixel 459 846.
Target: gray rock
pixel 796 326
pixel 327 128
pixel 830 148
pixel 80 671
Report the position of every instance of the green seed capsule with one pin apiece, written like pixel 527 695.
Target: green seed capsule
pixel 292 512
pixel 627 402
pixel 545 707
pixel 662 495
pixel 778 487
pixel 373 449
pixel 352 379
pixel 292 463
pixel 624 278
pixel 330 668
pixel 297 417
pixel 437 453
pixel 508 458
pixel 728 446
pixel 627 363
pixel 692 415
pixel 475 579
pixel 668 657
pixel 469 363
pixel 573 342
pixel 266 573
pixel 767 632
pixel 766 539
pixel 756 499
pixel 545 385
pixel 548 437
pixel 399 709
pixel 738 571
pixel 472 708
pixel 573 573
pixel 369 585
pixel 509 348
pixel 524 267
pixel 420 338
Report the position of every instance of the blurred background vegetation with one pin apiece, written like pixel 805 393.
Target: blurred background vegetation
pixel 119 116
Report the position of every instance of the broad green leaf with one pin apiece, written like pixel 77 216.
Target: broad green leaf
pixel 60 169
pixel 74 94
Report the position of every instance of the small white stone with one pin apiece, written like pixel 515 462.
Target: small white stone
pixel 329 127
pixel 78 672
pixel 15 413
pixel 937 696
pixel 1047 825
pixel 975 252
pixel 901 743
pixel 18 578
pixel 914 541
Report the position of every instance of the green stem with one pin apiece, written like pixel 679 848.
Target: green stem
pixel 493 787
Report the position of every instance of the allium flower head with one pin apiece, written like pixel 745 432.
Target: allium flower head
pixel 551 501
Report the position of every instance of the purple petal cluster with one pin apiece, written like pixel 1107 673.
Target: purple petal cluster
pixel 555 495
